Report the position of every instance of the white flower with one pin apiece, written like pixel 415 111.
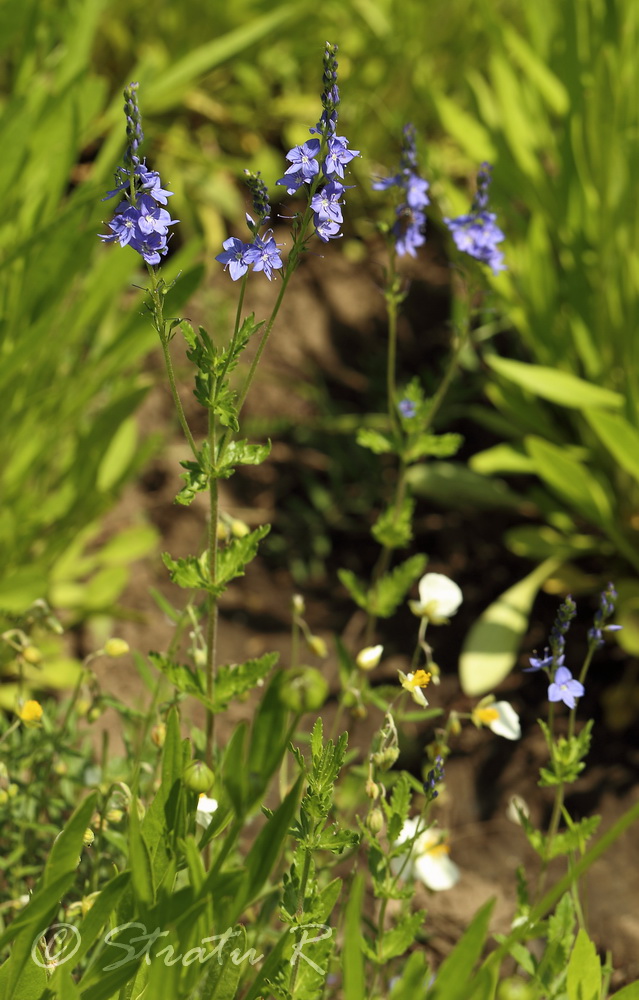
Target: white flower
pixel 439 598
pixel 205 809
pixel 414 683
pixel 429 860
pixel 499 716
pixel 369 657
pixel 517 807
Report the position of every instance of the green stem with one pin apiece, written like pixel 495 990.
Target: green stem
pixel 300 910
pixel 212 609
pixel 160 325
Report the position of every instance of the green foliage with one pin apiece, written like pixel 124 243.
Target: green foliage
pixel 385 596
pixel 566 755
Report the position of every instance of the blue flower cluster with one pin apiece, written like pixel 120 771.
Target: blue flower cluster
pixel 322 161
pixel 411 219
pixel 140 221
pixel 262 253
pixel 319 163
pixel 477 233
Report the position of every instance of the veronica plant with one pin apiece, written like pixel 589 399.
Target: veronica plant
pixel 408 431
pixel 142 222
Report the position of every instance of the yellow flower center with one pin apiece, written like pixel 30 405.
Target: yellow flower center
pixel 437 849
pixel 420 679
pixel 487 715
pixel 31 711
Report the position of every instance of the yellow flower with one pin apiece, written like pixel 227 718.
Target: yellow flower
pixel 414 683
pixel 31 713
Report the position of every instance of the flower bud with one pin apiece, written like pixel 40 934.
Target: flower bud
pixel 94 713
pixel 317 645
pixel 372 790
pixel 375 821
pixel 198 777
pixel 12 791
pixel 298 606
pixel 4 797
pixel 359 711
pixel 239 529
pixel 116 647
pixel 32 654
pixel 303 690
pixel 114 815
pixel 384 759
pixel 88 837
pixel 158 734
pixel 368 658
pixel 222 531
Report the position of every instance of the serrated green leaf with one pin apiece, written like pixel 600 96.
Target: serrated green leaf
pixel 242 453
pixel 375 441
pixel 232 559
pixel 437 445
pixel 391 589
pixel 182 677
pixel 354 586
pixel 394 529
pixel 237 679
pixel 396 941
pixel 583 979
pixel 192 572
pixel 490 648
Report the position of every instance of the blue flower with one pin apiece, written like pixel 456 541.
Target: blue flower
pixel 407 408
pixel 302 159
pixel 264 255
pixel 565 688
pixel 411 220
pixel 234 257
pixel 477 233
pixel 543 663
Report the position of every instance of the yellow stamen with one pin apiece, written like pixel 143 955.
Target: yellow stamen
pixel 486 715
pixel 420 679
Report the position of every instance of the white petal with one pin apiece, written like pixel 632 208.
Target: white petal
pixel 205 809
pixel 436 870
pixel 440 594
pixel 507 725
pixel 368 658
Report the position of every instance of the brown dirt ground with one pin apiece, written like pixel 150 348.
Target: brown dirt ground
pixel 331 324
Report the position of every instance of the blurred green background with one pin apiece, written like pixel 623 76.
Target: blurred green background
pixel 547 92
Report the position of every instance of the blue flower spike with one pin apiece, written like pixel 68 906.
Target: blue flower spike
pixel 316 165
pixel 409 229
pixel 140 222
pixel 477 233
